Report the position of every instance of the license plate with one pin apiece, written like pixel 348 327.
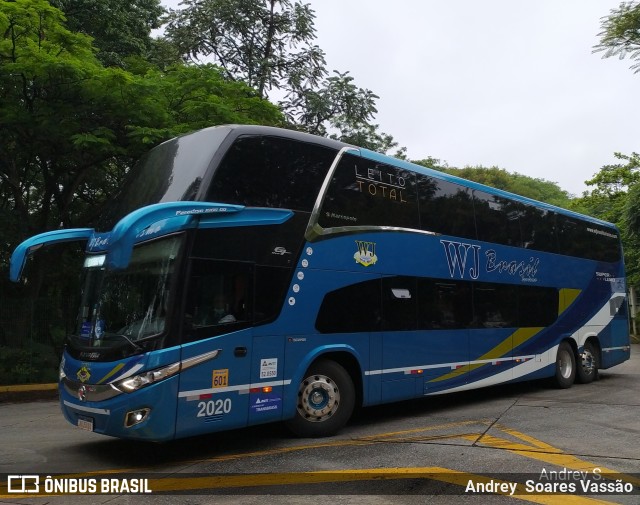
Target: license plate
pixel 85 423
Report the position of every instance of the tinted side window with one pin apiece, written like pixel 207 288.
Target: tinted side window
pixel 443 304
pixel 538 229
pixel 271 288
pixel 537 306
pixel 587 240
pixel 497 219
pixel 495 305
pixel 219 298
pixel 276 245
pixel 399 303
pixel 366 193
pixel 264 171
pixel 446 208
pixel 410 303
pixel 351 309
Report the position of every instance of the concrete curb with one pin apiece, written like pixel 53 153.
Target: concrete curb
pixel 23 388
pixel 28 393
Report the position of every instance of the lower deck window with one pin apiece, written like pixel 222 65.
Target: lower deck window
pixel 410 303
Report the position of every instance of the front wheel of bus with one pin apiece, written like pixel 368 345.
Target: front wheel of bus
pixel 326 398
pixel 565 366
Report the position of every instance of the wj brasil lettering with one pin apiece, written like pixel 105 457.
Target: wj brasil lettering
pixel 463 260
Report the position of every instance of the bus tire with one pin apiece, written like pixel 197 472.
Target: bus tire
pixel 587 369
pixel 326 398
pixel 565 366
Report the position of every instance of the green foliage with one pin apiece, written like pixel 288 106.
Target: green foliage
pixel 620 35
pixel 614 198
pixel 71 129
pixel 119 28
pixel 608 199
pixel 337 102
pixel 269 45
pixel 265 43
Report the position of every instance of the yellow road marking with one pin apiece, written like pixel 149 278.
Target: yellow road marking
pixel 544 452
pixel 527 446
pixel 332 476
pixel 458 478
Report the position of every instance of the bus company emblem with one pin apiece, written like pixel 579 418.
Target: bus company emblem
pixel 366 253
pixel 83 374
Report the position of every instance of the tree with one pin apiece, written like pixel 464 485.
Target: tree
pixel 265 43
pixel 119 28
pixel 620 35
pixel 608 199
pixel 72 129
pixel 614 198
pixel 269 45
pixel 66 120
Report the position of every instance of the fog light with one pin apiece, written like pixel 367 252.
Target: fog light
pixel 135 417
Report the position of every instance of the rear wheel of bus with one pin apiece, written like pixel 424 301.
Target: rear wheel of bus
pixel 326 398
pixel 588 363
pixel 565 366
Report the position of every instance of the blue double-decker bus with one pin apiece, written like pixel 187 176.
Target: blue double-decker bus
pixel 250 274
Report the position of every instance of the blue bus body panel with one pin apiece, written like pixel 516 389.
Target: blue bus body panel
pixel 108 416
pixel 434 361
pixel 215 394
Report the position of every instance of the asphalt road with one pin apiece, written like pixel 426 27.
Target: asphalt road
pixel 514 441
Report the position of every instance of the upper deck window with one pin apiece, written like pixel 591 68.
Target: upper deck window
pixel 363 192
pixel 266 171
pixel 446 207
pixel 170 172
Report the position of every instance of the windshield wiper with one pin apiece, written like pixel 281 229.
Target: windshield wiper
pixel 120 335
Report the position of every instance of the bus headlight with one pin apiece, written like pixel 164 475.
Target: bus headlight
pixel 131 384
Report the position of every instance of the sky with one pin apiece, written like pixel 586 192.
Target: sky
pixel 507 83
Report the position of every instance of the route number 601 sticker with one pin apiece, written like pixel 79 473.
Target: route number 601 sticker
pixel 214 407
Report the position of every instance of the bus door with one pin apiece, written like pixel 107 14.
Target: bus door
pixel 218 320
pixel 425 337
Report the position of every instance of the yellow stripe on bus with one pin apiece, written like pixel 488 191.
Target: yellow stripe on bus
pixel 518 337
pixel 566 297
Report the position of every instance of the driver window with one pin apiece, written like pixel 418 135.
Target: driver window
pixel 219 297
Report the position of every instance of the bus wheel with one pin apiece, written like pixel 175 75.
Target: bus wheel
pixel 588 367
pixel 326 398
pixel 565 366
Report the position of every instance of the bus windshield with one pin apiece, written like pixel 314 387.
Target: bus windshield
pixel 125 306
